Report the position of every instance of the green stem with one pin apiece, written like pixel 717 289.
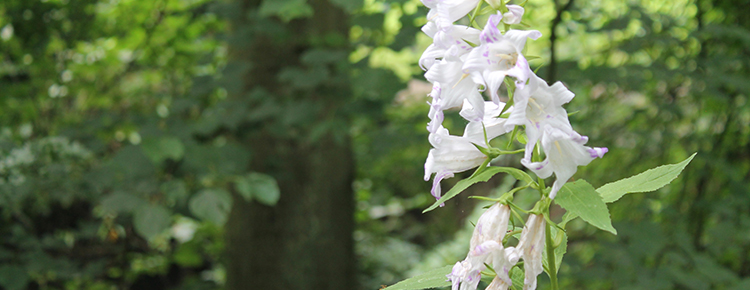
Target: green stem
pixel 551 257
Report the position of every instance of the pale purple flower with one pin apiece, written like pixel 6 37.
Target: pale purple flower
pixel 531 246
pixel 514 14
pixel 454 86
pixel 565 151
pixel 452 154
pixel 485 247
pixel 499 55
pixel 538 105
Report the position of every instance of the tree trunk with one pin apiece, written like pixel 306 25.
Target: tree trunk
pixel 304 241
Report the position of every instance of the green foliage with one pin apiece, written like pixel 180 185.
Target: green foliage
pixel 581 199
pixel 258 186
pixel 431 279
pixel 647 181
pixel 483 176
pixel 287 10
pixel 211 204
pixel 163 148
pixel 13 277
pixel 151 220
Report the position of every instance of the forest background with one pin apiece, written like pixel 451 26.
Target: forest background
pixel 248 144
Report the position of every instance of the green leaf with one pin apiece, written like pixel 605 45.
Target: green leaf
pixel 286 9
pixel 175 192
pixel 481 177
pixel 517 276
pixel 160 149
pixel 259 186
pixel 431 279
pixel 13 277
pixel 211 204
pixel 646 181
pixel 121 202
pixel 580 198
pixel 150 220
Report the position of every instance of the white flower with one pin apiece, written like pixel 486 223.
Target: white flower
pixel 531 246
pixel 485 247
pixel 514 15
pixel 452 154
pixel 445 12
pixel 444 39
pixel 499 55
pixel 454 87
pixel 465 275
pixel 565 152
pixel 538 105
pixel 479 121
pixel 491 226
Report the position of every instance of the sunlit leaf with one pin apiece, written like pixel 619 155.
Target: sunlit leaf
pixel 646 181
pixel 581 198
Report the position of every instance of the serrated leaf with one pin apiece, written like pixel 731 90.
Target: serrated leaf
pixel 431 279
pixel 258 186
pixel 646 181
pixel 212 205
pixel 150 220
pixel 580 198
pixel 481 177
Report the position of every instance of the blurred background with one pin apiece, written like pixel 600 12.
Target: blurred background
pixel 258 144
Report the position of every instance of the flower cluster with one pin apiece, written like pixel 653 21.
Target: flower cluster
pixel 461 63
pixel 464 64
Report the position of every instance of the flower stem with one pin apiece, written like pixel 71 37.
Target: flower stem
pixel 552 265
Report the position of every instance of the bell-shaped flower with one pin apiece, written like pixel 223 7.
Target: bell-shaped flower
pixel 466 274
pixel 485 247
pixel 538 105
pixel 531 247
pixel 445 12
pixel 452 154
pixel 459 36
pixel 499 55
pixel 454 87
pixel 565 151
pixel 491 226
pixel 481 120
pixel 514 14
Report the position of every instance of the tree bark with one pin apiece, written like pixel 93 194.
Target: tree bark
pixel 304 241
